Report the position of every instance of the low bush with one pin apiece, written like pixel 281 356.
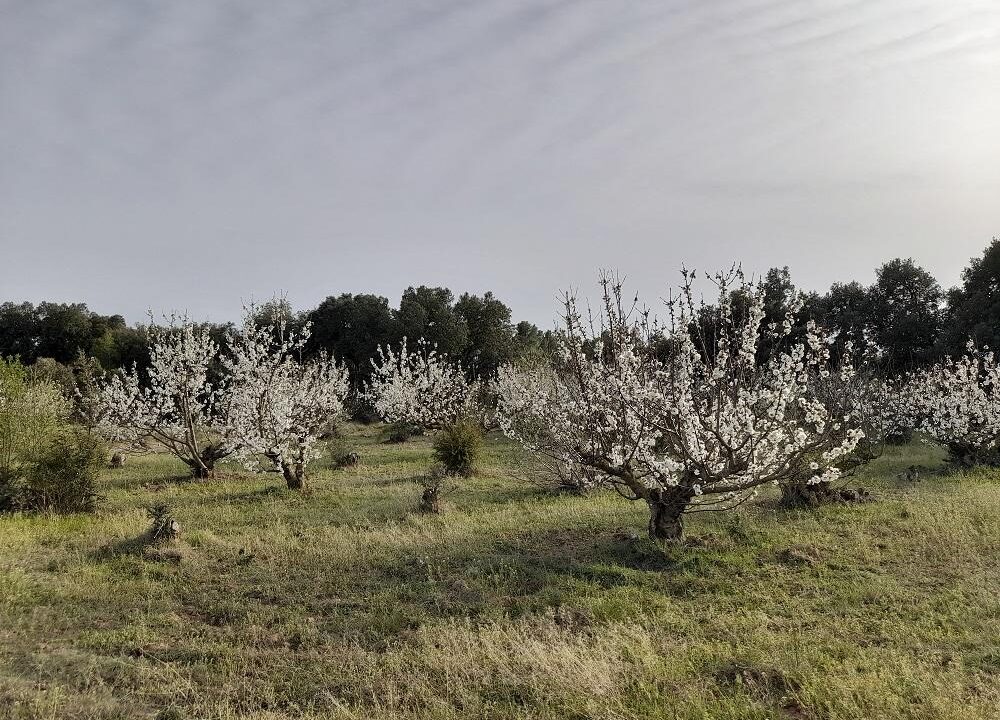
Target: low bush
pixel 63 473
pixel 340 454
pixel 164 527
pixel 458 446
pixel 433 485
pixel 401 432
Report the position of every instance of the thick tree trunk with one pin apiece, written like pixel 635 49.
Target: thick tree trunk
pixel 801 494
pixel 295 475
pixel 201 469
pixel 666 512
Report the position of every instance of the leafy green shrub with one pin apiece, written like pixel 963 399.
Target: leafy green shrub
pixel 31 411
pixel 457 447
pixel 63 473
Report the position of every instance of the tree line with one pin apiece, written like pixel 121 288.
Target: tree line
pixel 902 321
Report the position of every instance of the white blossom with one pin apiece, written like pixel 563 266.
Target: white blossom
pixel 683 416
pixel 276 404
pixel 418 387
pixel 957 402
pixel 177 405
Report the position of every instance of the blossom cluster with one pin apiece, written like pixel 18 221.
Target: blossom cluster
pixel 177 404
pixel 878 406
pixel 418 386
pixel 265 401
pixel 957 401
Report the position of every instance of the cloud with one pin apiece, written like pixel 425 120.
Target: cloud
pixel 334 146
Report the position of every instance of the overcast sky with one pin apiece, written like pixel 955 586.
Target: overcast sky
pixel 188 154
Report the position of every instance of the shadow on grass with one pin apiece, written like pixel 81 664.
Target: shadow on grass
pixel 136 546
pixel 250 496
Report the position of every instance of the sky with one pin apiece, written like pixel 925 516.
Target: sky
pixel 193 154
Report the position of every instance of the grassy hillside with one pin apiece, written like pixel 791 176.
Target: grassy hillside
pixel 515 603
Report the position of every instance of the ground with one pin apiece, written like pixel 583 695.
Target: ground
pixel 514 603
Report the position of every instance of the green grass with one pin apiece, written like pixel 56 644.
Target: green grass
pixel 514 603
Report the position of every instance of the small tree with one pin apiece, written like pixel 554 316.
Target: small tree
pixel 871 404
pixel 177 406
pixel 277 405
pixel 957 402
pixel 419 387
pixel 62 475
pixel 682 416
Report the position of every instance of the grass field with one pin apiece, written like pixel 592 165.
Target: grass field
pixel 514 603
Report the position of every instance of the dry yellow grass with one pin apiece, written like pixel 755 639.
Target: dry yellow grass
pixel 515 603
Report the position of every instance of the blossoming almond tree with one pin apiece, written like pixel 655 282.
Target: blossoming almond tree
pixel 874 404
pixel 418 387
pixel 276 404
pixel 957 402
pixel 532 405
pixel 682 416
pixel 177 406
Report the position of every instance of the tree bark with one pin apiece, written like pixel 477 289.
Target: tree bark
pixel 201 469
pixel 666 512
pixel 295 475
pixel 203 465
pixel 430 500
pixel 802 494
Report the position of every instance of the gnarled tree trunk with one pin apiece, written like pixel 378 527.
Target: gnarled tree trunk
pixel 203 465
pixel 666 512
pixel 295 475
pixel 803 494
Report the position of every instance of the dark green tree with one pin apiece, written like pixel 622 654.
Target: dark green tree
pixel 974 307
pixel 429 313
pixel 532 344
pixel 906 314
pixel 352 327
pixel 18 331
pixel 490 341
pixel 63 330
pixel 846 312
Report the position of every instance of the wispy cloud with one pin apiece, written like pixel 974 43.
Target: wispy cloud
pixel 330 146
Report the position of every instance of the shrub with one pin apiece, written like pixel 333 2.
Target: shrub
pixel 61 477
pixel 340 454
pixel 164 527
pixel 457 447
pixel 31 411
pixel 400 432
